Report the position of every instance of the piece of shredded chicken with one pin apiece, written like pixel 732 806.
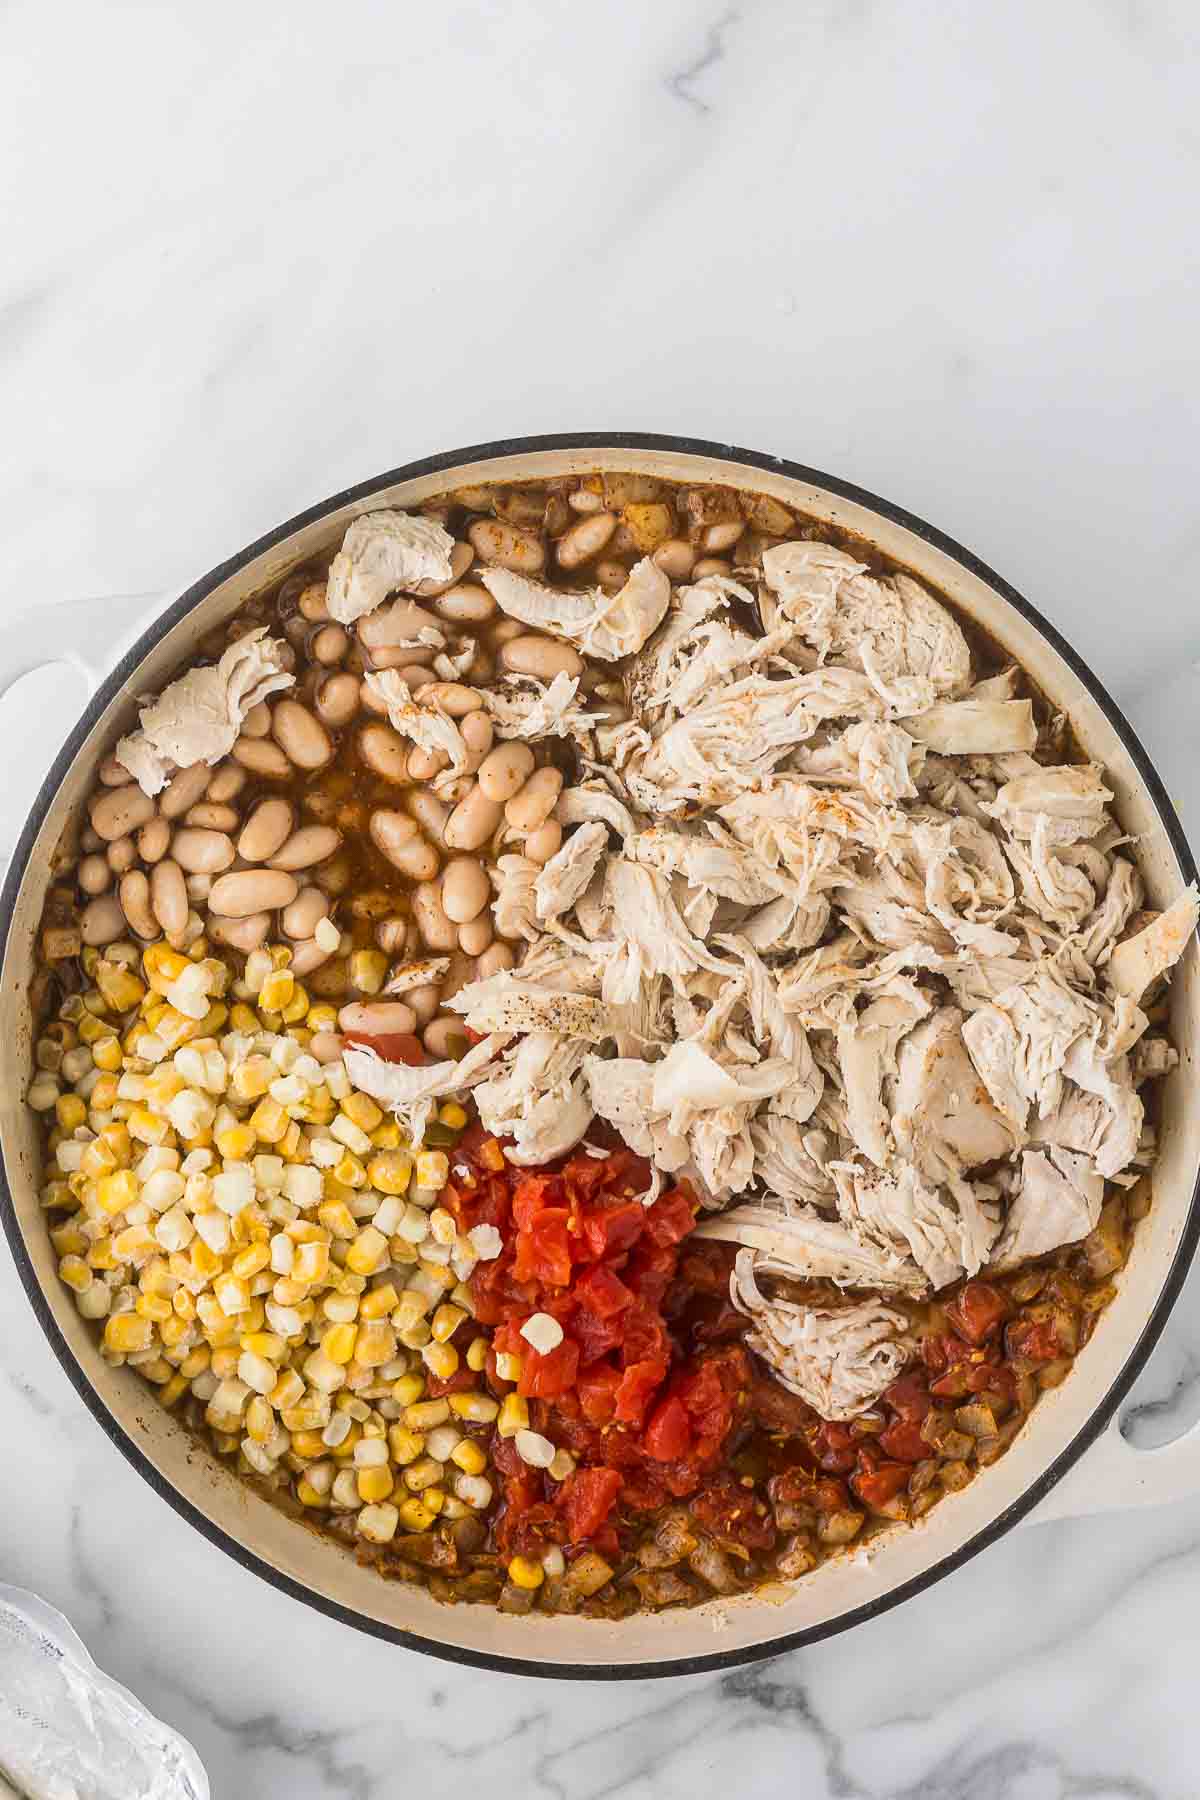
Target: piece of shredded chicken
pixel 605 625
pixel 197 718
pixel 381 553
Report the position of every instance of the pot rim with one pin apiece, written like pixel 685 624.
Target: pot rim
pixel 216 1534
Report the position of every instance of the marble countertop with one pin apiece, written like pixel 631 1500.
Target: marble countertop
pixel 947 251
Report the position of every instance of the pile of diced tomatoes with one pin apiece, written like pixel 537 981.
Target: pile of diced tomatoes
pixel 643 1424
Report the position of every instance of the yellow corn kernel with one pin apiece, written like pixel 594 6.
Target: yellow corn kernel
pixel 414 1516
pixel 75 1272
pixel 100 1256
pixel 205 1262
pixel 508 1365
pixel 311 1264
pixel 115 1192
pixel 127 1333
pixel 173 1389
pixel 491 1155
pixel 367 1252
pixel 310 1445
pixel 407 1389
pixel 438 1272
pixel 388 1136
pixel 98 1160
pixel 432 1168
pixel 523 1572
pixel 146 1128
pixel 162 1085
pixel 308 1495
pixel 68 1240
pixel 405 1446
pixel 276 991
pixel 91 1030
pixel 291 1145
pixel 345 1450
pixel 368 970
pixel 270 1121
pixel 375 1484
pixel 119 990
pixel 236 1142
pixel 173 1330
pixel 338 1342
pixel 70 1111
pixel 348 1172
pixel 477 1351
pixel 376 1344
pixel 153 1306
pixel 251 1079
pixel 362 1111
pixel 452 1114
pixel 103 1096
pixel 196 1362
pixel 390 1171
pixel 441 1360
pixel 445 1322
pixel 434 1498
pixel 379 1302
pixel 297 1007
pixel 514 1416
pixel 322 1017
pixel 469 1457
pixel 162 964
pixel 425 1414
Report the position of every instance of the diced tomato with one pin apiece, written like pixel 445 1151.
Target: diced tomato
pixel 543 1249
pixel 908 1395
pixel 976 1311
pixel 875 1487
pixel 952 1385
pixel 597 1389
pixel 602 1292
pixel 546 1375
pixel 902 1441
pixel 531 1194
pixel 643 1334
pixel 637 1384
pixel 670 1218
pixel 438 1386
pixel 835 1448
pixel 615 1229
pixel 392 1046
pixel 668 1435
pixel 645 1490
pixel 729 1510
pixel 1034 1339
pixel 705 1268
pixel 775 1409
pixel 586 1498
pixel 984 1377
pixel 595 1337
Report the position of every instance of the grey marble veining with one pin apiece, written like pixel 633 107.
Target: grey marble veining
pixel 944 250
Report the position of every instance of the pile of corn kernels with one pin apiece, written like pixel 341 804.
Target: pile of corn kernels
pixel 261 1243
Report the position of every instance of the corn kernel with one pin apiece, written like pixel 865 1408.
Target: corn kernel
pixel 469 1457
pixel 405 1446
pixel 236 1142
pixel 441 1360
pixel 367 1252
pixel 390 1171
pixel 445 1322
pixel 514 1416
pixel 414 1516
pixel 375 1484
pixel 75 1272
pixel 338 1342
pixel 362 1111
pixel 379 1301
pixel 368 970
pixel 70 1111
pixel 452 1114
pixel 308 1495
pixel 128 1333
pixel 407 1389
pixel 424 1414
pixel 432 1169
pixel 270 1121
pixel 480 1409
pixel 508 1365
pixel 277 990
pixel 523 1572
pixel 115 1192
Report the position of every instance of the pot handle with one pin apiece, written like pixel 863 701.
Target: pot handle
pixel 88 635
pixel 1114 1474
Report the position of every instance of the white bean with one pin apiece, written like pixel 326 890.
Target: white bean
pixel 438 932
pixel 94 875
pixel 430 813
pixel 399 839
pixel 262 757
pixel 308 955
pixel 374 1018
pixel 478 733
pixel 424 1002
pixel 121 855
pixel 445 1036
pixel 585 500
pixel 326 1046
pixel 423 765
pixel 227 783
pixel 168 896
pixel 466 604
pixel 545 842
pixel 118 811
pixel 153 840
pixel 585 539
pixel 269 826
pixel 113 774
pixel 465 889
pixel 540 656
pixel 721 536
pixel 711 565
pixel 299 920
pixel 102 921
pixel 330 644
pixel 392 935
pixel 452 697
pixel 473 820
pixel 201 852
pixel 311 844
pixel 257 722
pixel 506 546
pixel 535 802
pixel 385 752
pixel 199 887
pixel 499 956
pixel 312 604
pixel 134 893
pixel 300 735
pixel 389 626
pixel 475 936
pixel 505 772
pixel 211 815
pixel 249 891
pixel 90 840
pixel 241 934
pixel 337 700
pixel 183 790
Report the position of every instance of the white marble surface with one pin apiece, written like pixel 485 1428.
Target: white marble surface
pixel 946 250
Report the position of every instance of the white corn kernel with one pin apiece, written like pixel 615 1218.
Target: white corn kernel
pixel 534 1449
pixel 542 1331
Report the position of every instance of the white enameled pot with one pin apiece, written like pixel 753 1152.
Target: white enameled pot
pixel 1070 1458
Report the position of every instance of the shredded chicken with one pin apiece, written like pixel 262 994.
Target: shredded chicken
pixel 428 727
pixel 197 718
pixel 605 625
pixel 1142 958
pixel 383 552
pixel 1057 1201
pixel 839 1359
